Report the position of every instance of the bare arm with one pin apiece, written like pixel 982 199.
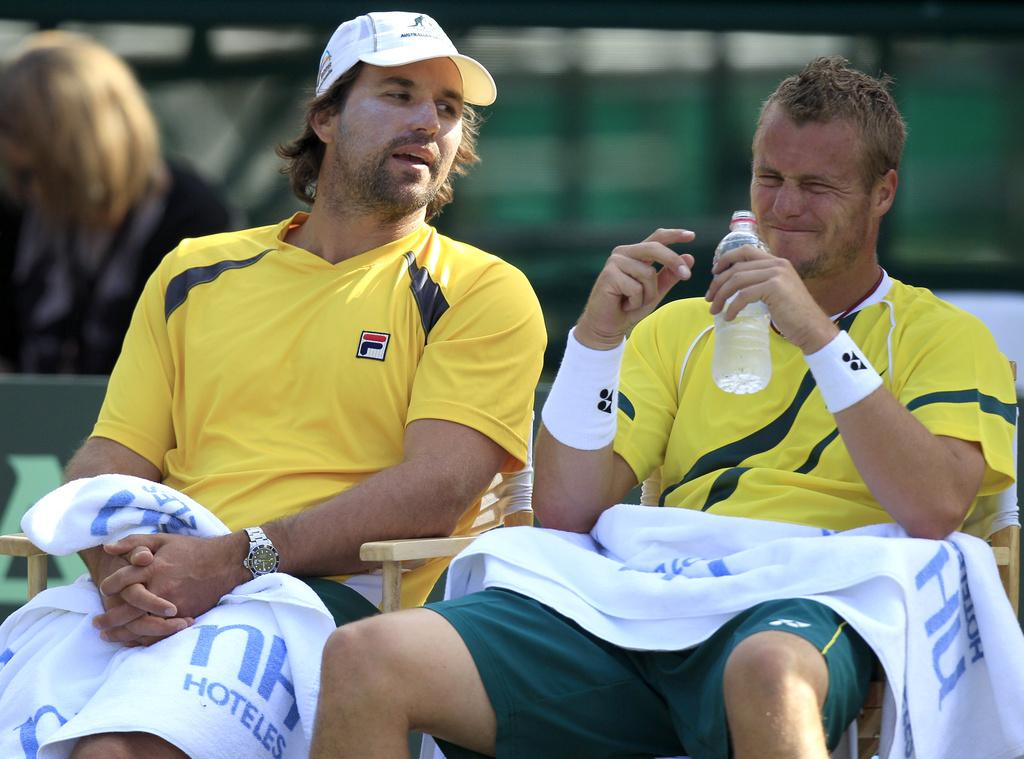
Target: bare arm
pixel 572 487
pixel 926 482
pixel 446 466
pixel 100 455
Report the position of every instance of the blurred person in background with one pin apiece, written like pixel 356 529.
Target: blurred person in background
pixel 91 204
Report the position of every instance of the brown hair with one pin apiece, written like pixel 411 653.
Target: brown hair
pixel 77 113
pixel 829 88
pixel 304 154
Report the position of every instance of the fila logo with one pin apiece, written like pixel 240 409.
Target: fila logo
pixel 373 345
pixel 853 361
pixel 605 404
pixel 789 623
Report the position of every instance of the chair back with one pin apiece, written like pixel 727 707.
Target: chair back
pixel 995 512
pixel 508 499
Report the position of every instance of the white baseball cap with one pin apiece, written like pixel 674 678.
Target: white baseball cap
pixel 395 38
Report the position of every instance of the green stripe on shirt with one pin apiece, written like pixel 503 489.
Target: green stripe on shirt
pixel 989 404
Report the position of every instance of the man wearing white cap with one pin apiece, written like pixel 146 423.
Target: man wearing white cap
pixel 348 374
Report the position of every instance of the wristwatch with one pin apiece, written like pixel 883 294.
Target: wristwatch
pixel 263 558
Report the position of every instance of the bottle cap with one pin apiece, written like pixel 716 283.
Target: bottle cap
pixel 742 217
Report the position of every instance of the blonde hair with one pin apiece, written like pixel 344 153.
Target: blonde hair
pixel 79 116
pixel 829 88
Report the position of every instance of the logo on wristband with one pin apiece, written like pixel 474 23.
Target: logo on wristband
pixel 854 361
pixel 605 404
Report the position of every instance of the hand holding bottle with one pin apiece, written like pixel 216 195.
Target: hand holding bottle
pixel 742 361
pixel 748 274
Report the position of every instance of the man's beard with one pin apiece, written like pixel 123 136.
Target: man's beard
pixel 826 264
pixel 845 253
pixel 372 189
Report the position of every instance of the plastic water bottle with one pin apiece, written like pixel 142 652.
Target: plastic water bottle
pixel 742 362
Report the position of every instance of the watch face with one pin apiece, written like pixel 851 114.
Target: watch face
pixel 262 560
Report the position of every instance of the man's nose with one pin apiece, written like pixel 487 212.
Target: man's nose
pixel 425 118
pixel 788 200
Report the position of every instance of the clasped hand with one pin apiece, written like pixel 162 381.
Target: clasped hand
pixel 153 586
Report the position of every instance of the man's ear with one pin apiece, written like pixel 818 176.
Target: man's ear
pixel 884 192
pixel 324 123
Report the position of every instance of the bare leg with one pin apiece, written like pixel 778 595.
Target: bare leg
pixel 125 746
pixel 386 675
pixel 775 685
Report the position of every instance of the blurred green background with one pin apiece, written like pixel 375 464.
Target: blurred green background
pixel 612 118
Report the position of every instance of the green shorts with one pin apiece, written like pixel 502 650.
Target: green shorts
pixel 345 604
pixel 559 691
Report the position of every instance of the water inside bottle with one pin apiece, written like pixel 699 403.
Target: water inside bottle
pixel 742 362
pixel 741 384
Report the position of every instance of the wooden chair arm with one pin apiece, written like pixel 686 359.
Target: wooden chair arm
pixel 19 545
pixel 412 549
pixel 521 518
pixel 391 554
pixel 1006 550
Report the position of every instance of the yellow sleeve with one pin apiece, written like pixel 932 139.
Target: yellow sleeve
pixel 136 410
pixel 482 361
pixel 648 399
pixel 955 381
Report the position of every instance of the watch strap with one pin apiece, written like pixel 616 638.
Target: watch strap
pixel 259 543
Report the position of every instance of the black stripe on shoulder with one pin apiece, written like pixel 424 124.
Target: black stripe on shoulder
pixel 427 293
pixel 180 284
pixel 989 404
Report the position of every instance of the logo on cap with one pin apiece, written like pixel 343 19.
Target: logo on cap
pixel 424 26
pixel 325 69
pixel 373 345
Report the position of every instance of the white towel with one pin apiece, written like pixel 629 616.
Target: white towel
pixel 96 510
pixel 242 682
pixel 665 579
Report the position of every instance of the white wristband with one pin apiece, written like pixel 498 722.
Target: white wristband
pixel 844 376
pixel 581 407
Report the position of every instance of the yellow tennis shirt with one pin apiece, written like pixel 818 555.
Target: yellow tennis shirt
pixel 777 454
pixel 263 380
